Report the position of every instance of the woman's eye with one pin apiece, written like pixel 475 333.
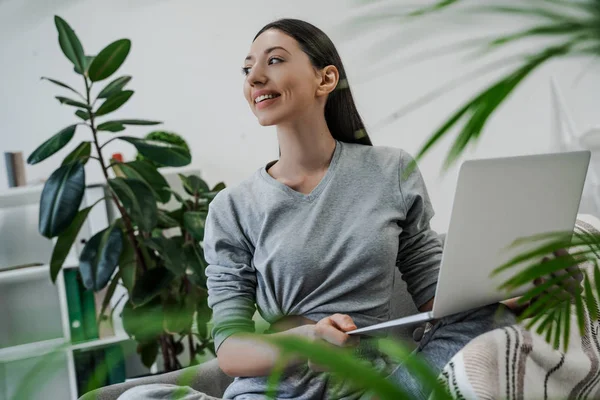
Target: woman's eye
pixel 245 70
pixel 273 59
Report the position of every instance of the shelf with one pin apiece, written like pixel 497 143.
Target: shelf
pixel 99 342
pixel 30 273
pixel 30 350
pixel 20 196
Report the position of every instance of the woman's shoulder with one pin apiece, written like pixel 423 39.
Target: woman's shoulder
pixel 236 196
pixel 381 155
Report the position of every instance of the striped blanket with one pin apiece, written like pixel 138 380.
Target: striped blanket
pixel 515 363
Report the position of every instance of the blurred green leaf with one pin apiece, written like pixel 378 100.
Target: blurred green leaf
pixel 84 115
pixel 165 221
pixel 52 145
pixel 144 322
pixel 69 43
pixel 117 126
pixel 71 102
pixel 194 223
pixel 65 242
pixel 110 292
pixel 150 285
pixel 138 201
pixel 194 264
pixel 149 352
pixel 147 173
pixel 203 316
pixel 163 153
pixel 114 87
pixel 61 84
pixel 81 153
pixel 114 102
pixel 86 65
pixel 218 187
pixel 127 265
pixel 99 258
pixel 109 60
pixel 171 251
pixel 61 198
pixel 178 316
pixel 193 184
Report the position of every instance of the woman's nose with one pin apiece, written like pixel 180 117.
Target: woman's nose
pixel 256 76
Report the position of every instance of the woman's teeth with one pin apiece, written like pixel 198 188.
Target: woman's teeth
pixel 265 97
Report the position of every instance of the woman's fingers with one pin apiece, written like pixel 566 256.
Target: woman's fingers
pixel 331 329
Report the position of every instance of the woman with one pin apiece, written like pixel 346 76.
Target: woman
pixel 312 239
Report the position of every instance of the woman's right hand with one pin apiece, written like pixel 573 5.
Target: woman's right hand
pixel 332 330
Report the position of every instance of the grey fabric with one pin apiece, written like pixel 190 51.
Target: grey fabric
pixel 207 378
pixel 331 251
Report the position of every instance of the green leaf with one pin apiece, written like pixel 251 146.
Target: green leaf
pixel 52 145
pixel 114 102
pixel 194 264
pixel 61 84
pixel 81 153
pixel 144 323
pixel 114 87
pixel 71 102
pixel 109 60
pixel 178 316
pixel 163 153
pixel 193 184
pixel 86 65
pixel 84 115
pixel 65 242
pixel 340 362
pixel 147 173
pixel 203 317
pixel 69 43
pixel 589 297
pixel 150 285
pixel 194 221
pixel 100 257
pixel 108 296
pixel 138 201
pixel 171 251
pixel 119 125
pixel 148 352
pixel 218 187
pixel 165 221
pixel 61 198
pixel 127 265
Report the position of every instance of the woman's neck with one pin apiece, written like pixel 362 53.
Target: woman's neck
pixel 305 147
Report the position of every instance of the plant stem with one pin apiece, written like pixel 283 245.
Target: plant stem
pixel 108 141
pixel 128 227
pixel 165 353
pixel 191 346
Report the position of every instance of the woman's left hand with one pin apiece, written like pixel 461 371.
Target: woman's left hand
pixel 569 286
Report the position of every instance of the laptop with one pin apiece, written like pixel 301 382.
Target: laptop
pixel 496 202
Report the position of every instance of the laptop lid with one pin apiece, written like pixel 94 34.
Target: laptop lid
pixel 496 202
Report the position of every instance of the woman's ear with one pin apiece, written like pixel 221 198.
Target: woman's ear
pixel 330 77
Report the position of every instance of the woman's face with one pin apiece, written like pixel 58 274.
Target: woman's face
pixel 281 84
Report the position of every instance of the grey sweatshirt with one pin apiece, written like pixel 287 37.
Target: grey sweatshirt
pixel 282 252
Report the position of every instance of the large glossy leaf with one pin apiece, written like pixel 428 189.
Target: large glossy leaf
pixel 71 102
pixel 109 60
pixel 218 187
pixel 179 315
pixel 81 153
pixel 65 242
pixel 150 285
pixel 165 221
pixel 119 125
pixel 69 43
pixel 127 265
pixel 110 292
pixel 193 222
pixel 61 198
pixel 138 200
pixel 171 252
pixel 114 87
pixel 100 257
pixel 144 323
pixel 194 264
pixel 114 102
pixel 86 65
pixel 148 352
pixel 163 153
pixel 52 145
pixel 61 84
pixel 147 173
pixel 193 184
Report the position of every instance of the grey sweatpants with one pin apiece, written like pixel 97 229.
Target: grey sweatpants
pixel 438 345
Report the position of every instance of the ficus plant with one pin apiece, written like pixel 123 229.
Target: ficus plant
pixel 155 253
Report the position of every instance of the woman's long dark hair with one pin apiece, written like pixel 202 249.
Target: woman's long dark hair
pixel 341 114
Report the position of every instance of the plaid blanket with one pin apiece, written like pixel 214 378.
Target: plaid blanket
pixel 515 363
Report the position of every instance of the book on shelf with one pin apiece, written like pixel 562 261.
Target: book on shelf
pixel 15 169
pixel 96 368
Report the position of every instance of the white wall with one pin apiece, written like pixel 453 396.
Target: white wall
pixel 186 57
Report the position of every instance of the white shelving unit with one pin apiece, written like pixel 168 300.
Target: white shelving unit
pixel 36 354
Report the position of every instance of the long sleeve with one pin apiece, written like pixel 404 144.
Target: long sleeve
pixel 231 277
pixel 420 248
